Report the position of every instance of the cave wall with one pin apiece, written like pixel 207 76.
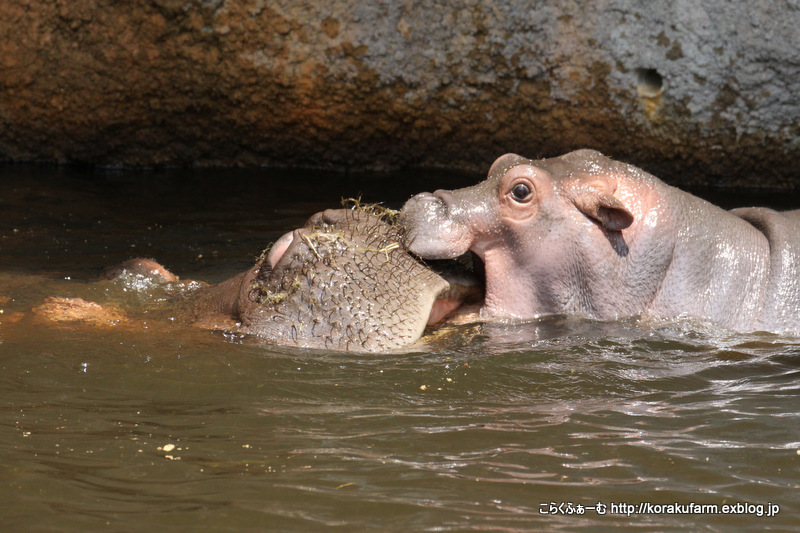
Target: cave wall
pixel 696 91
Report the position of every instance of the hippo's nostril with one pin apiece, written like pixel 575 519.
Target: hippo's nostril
pixel 279 248
pixel 445 196
pixel 423 197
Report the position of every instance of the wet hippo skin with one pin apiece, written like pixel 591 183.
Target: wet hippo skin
pixel 342 282
pixel 582 234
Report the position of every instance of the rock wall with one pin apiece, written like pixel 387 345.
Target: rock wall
pixel 694 90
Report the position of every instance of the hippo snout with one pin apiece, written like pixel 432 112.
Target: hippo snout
pixel 431 231
pixel 421 198
pixel 419 209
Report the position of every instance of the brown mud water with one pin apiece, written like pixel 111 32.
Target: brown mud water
pixel 482 427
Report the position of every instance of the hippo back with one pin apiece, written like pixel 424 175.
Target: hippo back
pixel 780 311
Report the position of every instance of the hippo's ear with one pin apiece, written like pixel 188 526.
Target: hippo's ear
pixel 601 206
pixel 504 163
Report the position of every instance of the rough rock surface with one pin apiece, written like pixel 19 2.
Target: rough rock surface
pixel 695 91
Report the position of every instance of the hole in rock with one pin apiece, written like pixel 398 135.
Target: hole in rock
pixel 649 82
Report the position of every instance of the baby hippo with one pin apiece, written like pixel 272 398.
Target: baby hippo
pixel 586 235
pixel 342 282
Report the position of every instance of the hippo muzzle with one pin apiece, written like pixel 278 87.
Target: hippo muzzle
pixel 434 226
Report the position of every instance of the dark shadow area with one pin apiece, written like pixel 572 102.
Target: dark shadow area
pixel 204 222
pixel 207 223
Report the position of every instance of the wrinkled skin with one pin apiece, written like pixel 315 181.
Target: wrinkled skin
pixel 585 235
pixel 342 282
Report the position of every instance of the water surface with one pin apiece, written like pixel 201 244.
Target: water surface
pixel 483 427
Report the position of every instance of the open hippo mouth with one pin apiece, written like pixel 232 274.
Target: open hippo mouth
pixel 466 277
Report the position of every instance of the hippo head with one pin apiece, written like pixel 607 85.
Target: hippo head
pixel 344 282
pixel 535 225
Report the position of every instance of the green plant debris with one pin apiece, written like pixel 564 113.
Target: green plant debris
pixel 311 245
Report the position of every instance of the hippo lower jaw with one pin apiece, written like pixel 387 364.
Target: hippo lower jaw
pixel 441 309
pixel 465 289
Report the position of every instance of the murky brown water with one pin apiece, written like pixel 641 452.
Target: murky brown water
pixel 485 427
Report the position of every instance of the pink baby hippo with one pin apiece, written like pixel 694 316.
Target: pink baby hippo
pixel 582 234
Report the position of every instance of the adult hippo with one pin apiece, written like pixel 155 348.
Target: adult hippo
pixel 584 234
pixel 341 282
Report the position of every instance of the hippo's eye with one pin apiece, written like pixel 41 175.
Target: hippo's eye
pixel 521 192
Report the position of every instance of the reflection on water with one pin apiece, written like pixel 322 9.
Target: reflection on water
pixel 481 427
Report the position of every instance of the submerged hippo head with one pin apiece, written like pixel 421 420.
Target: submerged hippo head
pixel 535 225
pixel 344 282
